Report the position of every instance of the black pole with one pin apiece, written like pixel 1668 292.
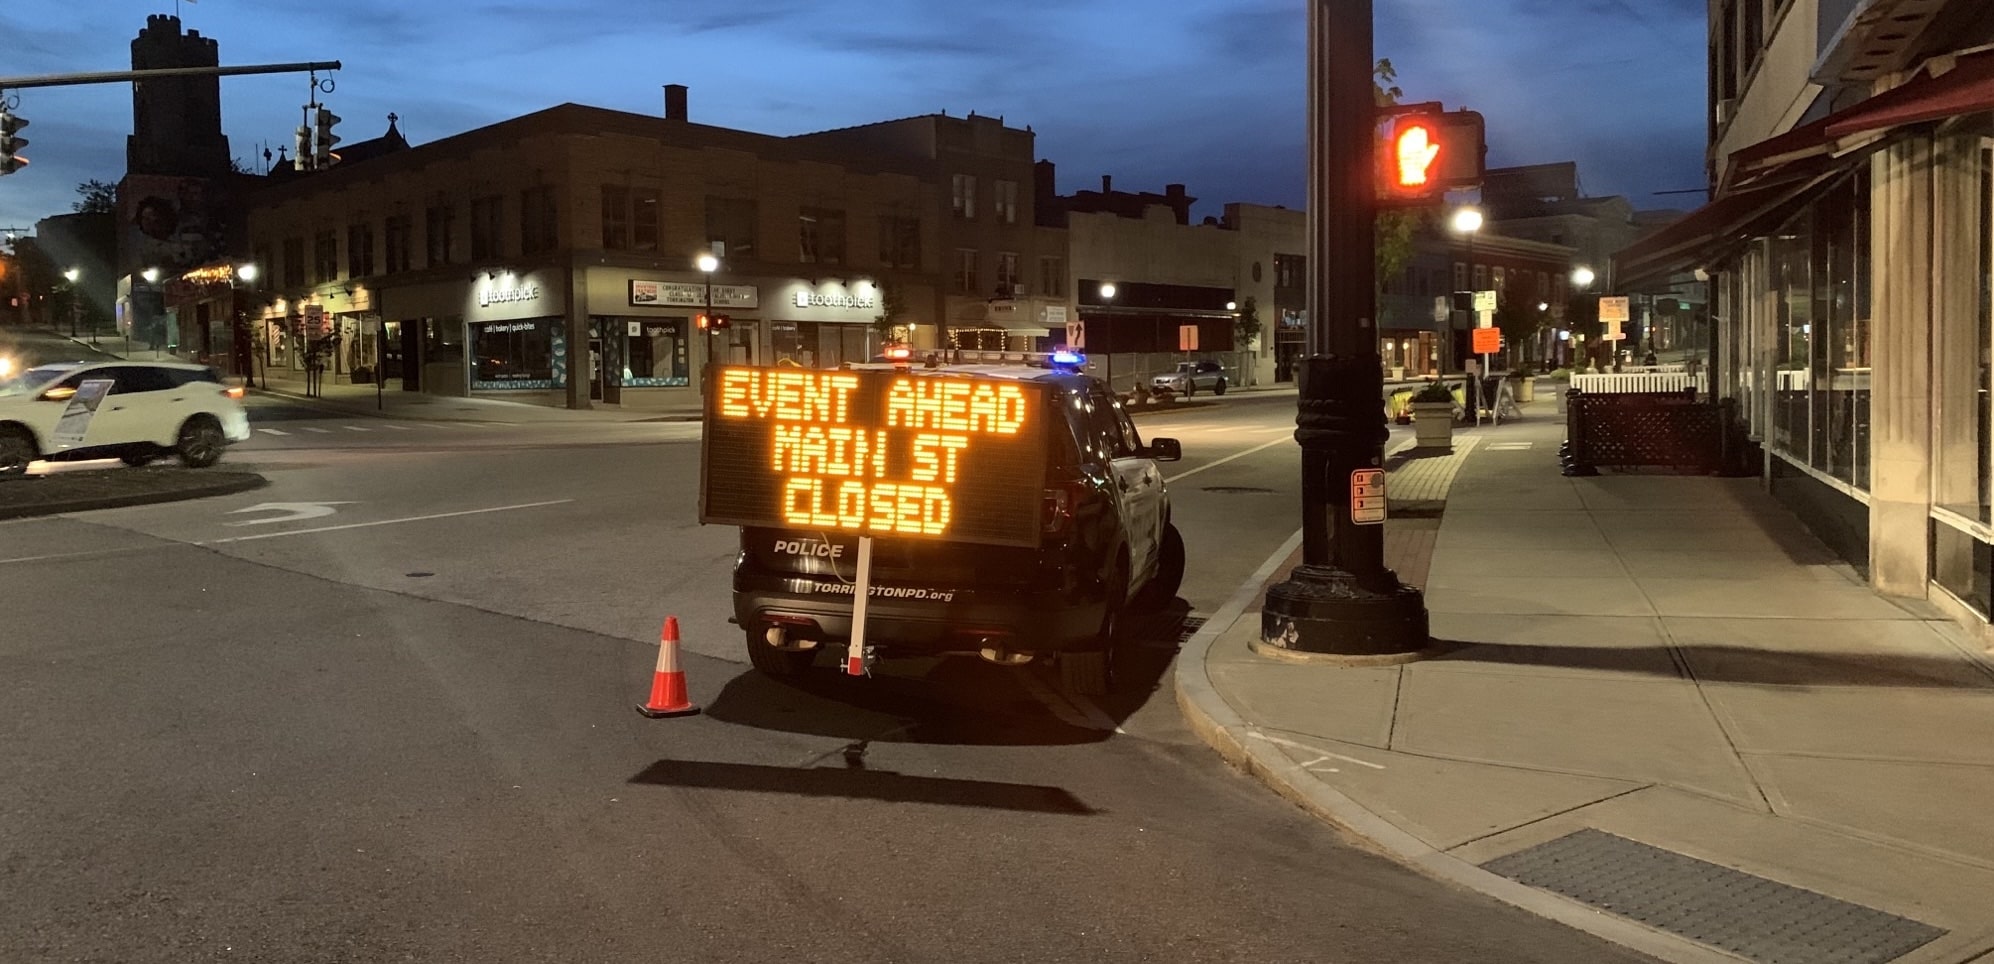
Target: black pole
pixel 1342 600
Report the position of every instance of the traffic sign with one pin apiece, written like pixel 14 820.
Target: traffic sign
pixel 1367 497
pixel 1488 341
pixel 1612 309
pixel 1485 301
pixel 1187 337
pixel 1613 332
pixel 1076 334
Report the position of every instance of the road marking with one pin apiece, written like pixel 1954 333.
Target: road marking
pixel 273 431
pixel 1326 755
pixel 1508 446
pixel 321 431
pixel 1071 709
pixel 1230 458
pixel 355 428
pixel 293 512
pixel 398 428
pixel 382 522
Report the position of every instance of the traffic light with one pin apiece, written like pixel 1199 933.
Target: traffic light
pixel 1426 152
pixel 11 142
pixel 301 159
pixel 702 322
pixel 722 321
pixel 712 323
pixel 323 157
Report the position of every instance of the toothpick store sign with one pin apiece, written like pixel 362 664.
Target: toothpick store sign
pixel 511 296
pixel 875 454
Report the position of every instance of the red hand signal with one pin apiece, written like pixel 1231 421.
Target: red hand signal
pixel 1416 152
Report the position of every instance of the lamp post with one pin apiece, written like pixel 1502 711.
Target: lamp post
pixel 707 264
pixel 1582 278
pixel 245 355
pixel 75 306
pixel 1342 601
pixel 1107 291
pixel 1465 222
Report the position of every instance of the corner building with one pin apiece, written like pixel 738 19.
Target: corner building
pixel 1850 252
pixel 552 257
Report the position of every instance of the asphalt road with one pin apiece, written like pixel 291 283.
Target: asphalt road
pixel 398 726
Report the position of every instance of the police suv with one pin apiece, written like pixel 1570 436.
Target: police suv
pixel 1107 552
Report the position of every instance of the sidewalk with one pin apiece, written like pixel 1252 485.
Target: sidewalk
pixel 336 396
pixel 1665 714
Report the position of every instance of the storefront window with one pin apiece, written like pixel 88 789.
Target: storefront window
pixel 657 355
pixel 513 354
pixel 1963 462
pixel 1839 409
pixel 1793 329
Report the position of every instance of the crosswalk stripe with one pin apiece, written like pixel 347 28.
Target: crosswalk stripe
pixel 273 431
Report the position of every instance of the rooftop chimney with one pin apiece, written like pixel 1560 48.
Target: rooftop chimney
pixel 675 102
pixel 1107 183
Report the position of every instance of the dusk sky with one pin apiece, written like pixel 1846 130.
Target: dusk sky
pixel 1209 93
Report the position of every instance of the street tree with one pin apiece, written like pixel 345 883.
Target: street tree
pixel 98 198
pixel 1246 325
pixel 1519 321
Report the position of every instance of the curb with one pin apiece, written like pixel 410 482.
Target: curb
pixel 320 405
pixel 1239 743
pixel 234 482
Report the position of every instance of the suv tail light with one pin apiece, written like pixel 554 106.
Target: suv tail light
pixel 1060 503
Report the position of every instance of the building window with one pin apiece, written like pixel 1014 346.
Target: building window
pixel 436 225
pixel 488 228
pixel 294 262
pixel 899 241
pixel 965 196
pixel 360 250
pixel 1009 284
pixel 821 236
pixel 615 217
pixel 965 271
pixel 513 354
pixel 731 226
pixel 325 257
pixel 538 230
pixel 399 232
pixel 1006 201
pixel 260 255
pixel 645 219
pixel 1819 264
pixel 1481 277
pixel 658 354
pixel 1291 272
pixel 1501 281
pixel 1052 276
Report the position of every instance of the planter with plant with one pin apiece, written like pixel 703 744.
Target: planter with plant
pixel 1433 416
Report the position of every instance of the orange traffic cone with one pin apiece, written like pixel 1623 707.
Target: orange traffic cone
pixel 668 696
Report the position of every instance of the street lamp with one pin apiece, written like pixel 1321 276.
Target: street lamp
pixel 707 263
pixel 1582 278
pixel 1108 290
pixel 75 306
pixel 245 354
pixel 151 275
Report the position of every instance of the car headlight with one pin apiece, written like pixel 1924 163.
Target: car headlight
pixel 6 367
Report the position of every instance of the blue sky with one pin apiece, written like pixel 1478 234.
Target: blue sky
pixel 1205 92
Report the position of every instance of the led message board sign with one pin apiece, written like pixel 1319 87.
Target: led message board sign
pixel 875 453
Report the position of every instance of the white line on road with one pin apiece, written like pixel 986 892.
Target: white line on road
pixel 273 431
pixel 383 522
pixel 321 431
pixel 1230 458
pixel 398 428
pixel 1326 755
pixel 1070 708
pixel 355 428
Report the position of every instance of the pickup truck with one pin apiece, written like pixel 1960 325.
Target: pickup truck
pixel 1190 377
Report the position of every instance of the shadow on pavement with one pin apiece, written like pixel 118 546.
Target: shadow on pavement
pixel 957 700
pixel 1735 664
pixel 854 781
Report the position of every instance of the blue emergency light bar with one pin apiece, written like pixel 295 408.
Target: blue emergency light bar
pixel 1069 360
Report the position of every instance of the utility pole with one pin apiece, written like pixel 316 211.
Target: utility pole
pixel 1342 601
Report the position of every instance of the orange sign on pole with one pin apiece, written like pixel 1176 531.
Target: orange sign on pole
pixel 1488 341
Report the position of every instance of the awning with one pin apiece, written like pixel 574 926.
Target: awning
pixel 1707 232
pixel 1947 87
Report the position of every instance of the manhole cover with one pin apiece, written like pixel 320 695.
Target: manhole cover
pixel 1238 490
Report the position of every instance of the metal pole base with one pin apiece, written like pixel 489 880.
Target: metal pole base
pixel 1320 609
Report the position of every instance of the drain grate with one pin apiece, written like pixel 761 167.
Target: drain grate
pixel 1238 490
pixel 1756 918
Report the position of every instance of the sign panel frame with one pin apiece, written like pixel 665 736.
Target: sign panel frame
pixel 905 454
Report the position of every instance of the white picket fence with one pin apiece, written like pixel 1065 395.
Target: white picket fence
pixel 1620 382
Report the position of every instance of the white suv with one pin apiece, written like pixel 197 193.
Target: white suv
pixel 135 411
